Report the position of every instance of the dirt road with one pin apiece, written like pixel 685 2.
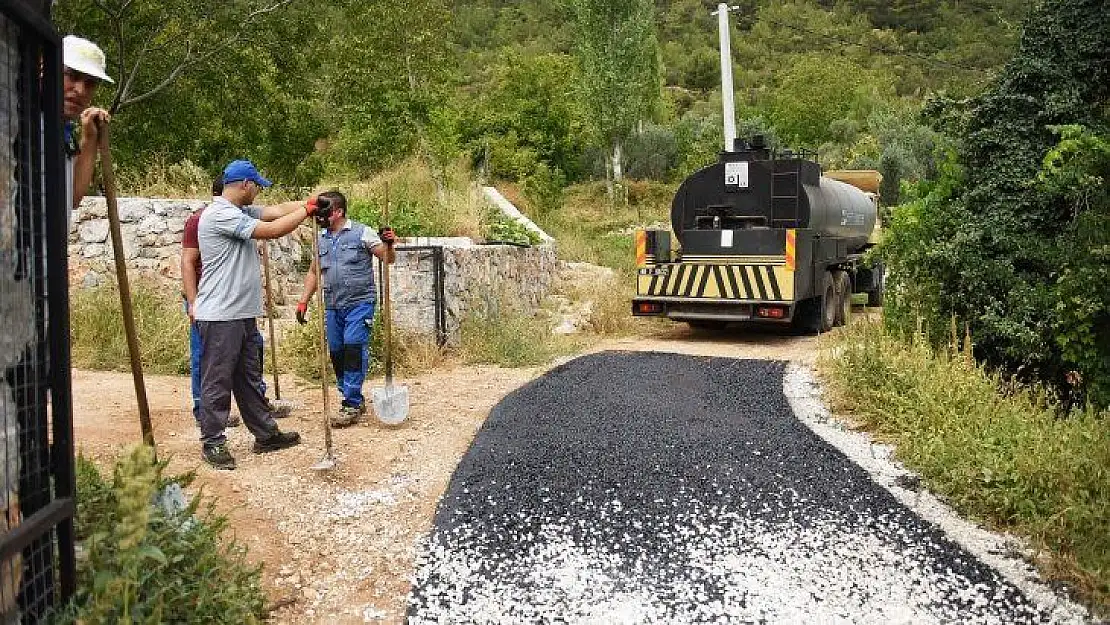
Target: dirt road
pixel 342 545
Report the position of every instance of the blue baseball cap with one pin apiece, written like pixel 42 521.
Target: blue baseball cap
pixel 244 170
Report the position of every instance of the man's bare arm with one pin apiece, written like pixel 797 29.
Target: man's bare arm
pixel 283 225
pixel 189 278
pixel 277 211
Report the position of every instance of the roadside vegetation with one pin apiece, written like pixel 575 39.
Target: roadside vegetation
pixel 98 339
pixel 1008 455
pixel 140 562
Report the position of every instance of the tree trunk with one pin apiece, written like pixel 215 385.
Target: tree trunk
pixel 617 174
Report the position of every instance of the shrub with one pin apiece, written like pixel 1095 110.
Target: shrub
pixel 997 240
pixel 140 563
pixel 994 450
pixel 99 341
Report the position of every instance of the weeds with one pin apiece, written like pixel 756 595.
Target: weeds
pixel 510 338
pixel 141 564
pixel 412 354
pixel 993 449
pixel 99 341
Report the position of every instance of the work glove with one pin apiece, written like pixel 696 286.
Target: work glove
pixel 317 205
pixel 387 235
pixel 302 311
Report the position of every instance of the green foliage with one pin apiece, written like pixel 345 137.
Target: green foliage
pixel 98 338
pixel 995 242
pixel 617 53
pixel 994 450
pixel 1076 170
pixel 525 119
pixel 143 564
pixel 499 227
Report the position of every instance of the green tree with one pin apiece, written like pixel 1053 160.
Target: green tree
pixel 197 81
pixel 618 56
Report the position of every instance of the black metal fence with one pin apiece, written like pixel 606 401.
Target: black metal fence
pixel 37 566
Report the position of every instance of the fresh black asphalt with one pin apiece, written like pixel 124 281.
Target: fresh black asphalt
pixel 649 487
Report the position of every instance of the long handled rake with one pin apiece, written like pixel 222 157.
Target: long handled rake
pixel 328 461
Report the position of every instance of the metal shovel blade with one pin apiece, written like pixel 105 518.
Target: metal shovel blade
pixel 391 403
pixel 327 463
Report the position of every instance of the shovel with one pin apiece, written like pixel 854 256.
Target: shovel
pixel 328 461
pixel 391 403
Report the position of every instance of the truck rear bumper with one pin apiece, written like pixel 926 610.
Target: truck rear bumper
pixel 688 309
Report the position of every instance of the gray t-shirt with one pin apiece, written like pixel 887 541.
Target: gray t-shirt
pixel 230 287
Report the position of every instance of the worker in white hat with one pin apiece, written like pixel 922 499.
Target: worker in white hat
pixel 85 69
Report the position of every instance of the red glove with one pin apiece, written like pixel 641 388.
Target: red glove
pixel 316 204
pixel 302 310
pixel 387 235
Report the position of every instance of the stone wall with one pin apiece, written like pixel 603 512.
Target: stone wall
pixel 476 278
pixel 475 275
pixel 151 231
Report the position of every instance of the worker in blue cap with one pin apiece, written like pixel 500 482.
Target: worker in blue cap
pixel 227 306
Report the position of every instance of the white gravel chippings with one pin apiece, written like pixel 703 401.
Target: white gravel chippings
pixel 662 488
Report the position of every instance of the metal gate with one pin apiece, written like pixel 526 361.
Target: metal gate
pixel 37 567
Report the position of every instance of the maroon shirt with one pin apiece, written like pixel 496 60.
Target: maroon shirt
pixel 189 238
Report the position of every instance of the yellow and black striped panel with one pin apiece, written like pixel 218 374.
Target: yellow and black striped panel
pixel 740 282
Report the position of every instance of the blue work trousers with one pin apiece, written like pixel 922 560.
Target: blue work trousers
pixel 348 331
pixel 195 350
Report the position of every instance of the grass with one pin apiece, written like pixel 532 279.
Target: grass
pixel 511 338
pixel 98 339
pixel 413 354
pixel 998 452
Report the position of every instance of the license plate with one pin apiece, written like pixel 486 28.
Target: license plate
pixel 654 271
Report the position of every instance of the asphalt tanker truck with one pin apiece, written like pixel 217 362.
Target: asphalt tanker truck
pixel 762 236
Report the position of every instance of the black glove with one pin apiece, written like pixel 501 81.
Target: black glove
pixel 319 208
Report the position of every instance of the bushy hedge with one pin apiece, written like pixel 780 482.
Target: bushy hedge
pixel 1012 237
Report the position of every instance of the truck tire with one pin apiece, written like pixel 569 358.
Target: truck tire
pixel 828 302
pixel 818 314
pixel 875 296
pixel 843 284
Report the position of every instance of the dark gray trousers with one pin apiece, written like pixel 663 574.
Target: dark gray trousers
pixel 231 364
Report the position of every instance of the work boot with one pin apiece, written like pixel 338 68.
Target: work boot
pixel 347 415
pixel 234 420
pixel 219 457
pixel 280 408
pixel 277 440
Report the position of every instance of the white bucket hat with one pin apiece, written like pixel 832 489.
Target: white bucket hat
pixel 86 57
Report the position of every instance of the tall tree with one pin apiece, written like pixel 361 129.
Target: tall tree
pixel 618 54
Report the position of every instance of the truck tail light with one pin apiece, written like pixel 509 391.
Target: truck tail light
pixel 771 312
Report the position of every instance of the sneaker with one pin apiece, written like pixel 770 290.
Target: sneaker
pixel 279 408
pixel 234 420
pixel 219 457
pixel 347 415
pixel 279 440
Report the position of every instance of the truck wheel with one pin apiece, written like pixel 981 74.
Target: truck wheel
pixel 828 301
pixel 875 297
pixel 843 297
pixel 807 316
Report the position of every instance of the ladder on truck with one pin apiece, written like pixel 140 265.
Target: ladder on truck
pixel 786 187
